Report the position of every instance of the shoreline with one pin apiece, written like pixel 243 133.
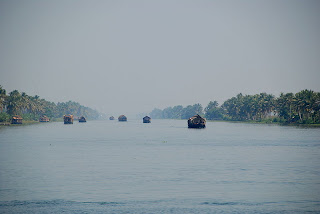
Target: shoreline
pixel 23 123
pixel 313 125
pixel 30 122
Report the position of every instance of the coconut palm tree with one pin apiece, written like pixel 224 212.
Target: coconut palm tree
pixel 14 103
pixel 3 98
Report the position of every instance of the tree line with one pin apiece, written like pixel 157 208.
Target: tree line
pixel 32 107
pixel 302 107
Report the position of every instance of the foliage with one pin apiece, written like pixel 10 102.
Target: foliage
pixel 156 113
pixel 4 117
pixel 214 112
pixel 191 110
pixel 32 107
pixel 3 97
pixel 302 108
pixel 249 107
pixel 177 112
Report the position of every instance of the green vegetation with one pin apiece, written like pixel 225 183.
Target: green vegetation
pixel 177 112
pixel 300 108
pixel 32 107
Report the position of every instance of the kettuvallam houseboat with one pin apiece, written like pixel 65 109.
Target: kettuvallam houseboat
pixel 111 118
pixel 82 119
pixel 44 119
pixel 16 119
pixel 197 122
pixel 68 119
pixel 146 119
pixel 122 118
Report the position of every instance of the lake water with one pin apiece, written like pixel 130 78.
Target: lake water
pixel 161 167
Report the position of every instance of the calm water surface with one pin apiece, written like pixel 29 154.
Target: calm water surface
pixel 162 167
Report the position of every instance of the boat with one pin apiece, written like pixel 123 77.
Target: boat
pixel 16 119
pixel 82 119
pixel 196 122
pixel 44 119
pixel 111 118
pixel 146 119
pixel 68 119
pixel 122 118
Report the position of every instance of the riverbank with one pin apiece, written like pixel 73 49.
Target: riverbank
pixel 229 121
pixel 270 123
pixel 28 122
pixel 23 123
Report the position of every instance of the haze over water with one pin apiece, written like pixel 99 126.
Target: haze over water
pixel 162 167
pixel 129 57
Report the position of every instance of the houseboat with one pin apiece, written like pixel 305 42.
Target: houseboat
pixel 16 119
pixel 146 119
pixel 122 118
pixel 82 119
pixel 44 119
pixel 197 122
pixel 68 119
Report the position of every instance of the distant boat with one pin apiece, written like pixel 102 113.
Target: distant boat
pixel 68 119
pixel 82 119
pixel 44 119
pixel 122 118
pixel 111 118
pixel 197 122
pixel 147 119
pixel 16 119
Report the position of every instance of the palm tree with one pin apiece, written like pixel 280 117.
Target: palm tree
pixel 285 106
pixel 304 101
pixel 14 103
pixel 232 107
pixel 3 98
pixel 25 102
pixel 211 105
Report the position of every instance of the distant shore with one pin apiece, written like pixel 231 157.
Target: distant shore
pixel 228 121
pixel 269 123
pixel 29 122
pixel 23 123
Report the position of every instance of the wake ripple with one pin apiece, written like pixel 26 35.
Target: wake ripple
pixel 158 206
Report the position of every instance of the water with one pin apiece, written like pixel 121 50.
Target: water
pixel 162 167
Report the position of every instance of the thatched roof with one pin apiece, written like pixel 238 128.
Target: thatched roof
pixel 17 117
pixel 196 119
pixel 68 115
pixel 197 122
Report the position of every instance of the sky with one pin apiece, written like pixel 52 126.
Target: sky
pixel 129 57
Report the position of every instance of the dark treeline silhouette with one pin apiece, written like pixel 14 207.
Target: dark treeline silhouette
pixel 302 107
pixel 32 107
pixel 177 112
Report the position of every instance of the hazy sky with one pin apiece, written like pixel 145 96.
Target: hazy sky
pixel 128 57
